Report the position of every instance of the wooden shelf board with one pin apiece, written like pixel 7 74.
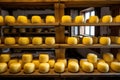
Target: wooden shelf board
pixel 29 1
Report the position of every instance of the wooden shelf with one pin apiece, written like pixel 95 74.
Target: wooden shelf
pixel 90 24
pixel 89 46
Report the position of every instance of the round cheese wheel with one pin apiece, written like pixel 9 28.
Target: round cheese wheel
pixel 29 68
pixel 87 67
pixel 72 40
pixel 117 40
pixel 92 58
pixel 12 61
pixel 37 40
pixel 72 60
pixel 118 56
pixel 82 61
pixel 79 19
pixel 50 19
pixel 27 57
pixel 37 63
pixel 93 19
pixel 49 40
pixel 115 66
pixel 23 40
pixel 9 40
pixel 73 67
pixel 102 67
pixel 15 68
pixel 108 57
pixel 9 19
pixel 1 19
pixel 22 19
pixel 105 40
pixel 36 19
pixel 63 61
pixel 66 19
pixel 59 67
pixel 87 41
pixel 43 58
pixel 4 57
pixel 3 67
pixel 44 67
pixel 117 18
pixel 107 19
pixel 95 40
pixel 51 63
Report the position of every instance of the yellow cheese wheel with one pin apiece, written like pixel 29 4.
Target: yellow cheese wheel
pixel 9 40
pixel 44 67
pixel 37 63
pixel 102 67
pixel 12 61
pixel 117 40
pixel 105 40
pixel 66 19
pixel 93 19
pixel 49 40
pixel 63 61
pixel 95 40
pixel 43 58
pixel 22 19
pixel 87 67
pixel 73 67
pixel 50 19
pixel 9 19
pixel 27 57
pixel 82 61
pixel 118 56
pixel 72 60
pixel 23 40
pixel 79 19
pixel 3 67
pixel 59 67
pixel 4 57
pixel 29 68
pixel 51 63
pixel 87 41
pixel 37 40
pixel 15 68
pixel 107 19
pixel 108 57
pixel 1 19
pixel 72 40
pixel 92 58
pixel 115 66
pixel 117 18
pixel 36 19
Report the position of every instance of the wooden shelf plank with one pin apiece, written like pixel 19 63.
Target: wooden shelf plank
pixel 29 1
pixel 89 46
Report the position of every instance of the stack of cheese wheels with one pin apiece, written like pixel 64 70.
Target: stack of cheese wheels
pixel 108 57
pixel 82 61
pixel 50 19
pixel 93 19
pixel 107 19
pixel 44 67
pixel 29 68
pixel 23 40
pixel 95 40
pixel 36 19
pixel 117 18
pixel 22 19
pixel 10 19
pixel 51 63
pixel 27 57
pixel 3 67
pixel 87 41
pixel 118 56
pixel 43 58
pixel 4 57
pixel 73 66
pixel 105 40
pixel 1 19
pixel 59 67
pixel 87 67
pixel 72 60
pixel 37 40
pixel 115 66
pixel 102 67
pixel 12 61
pixel 49 40
pixel 15 67
pixel 63 61
pixel 9 40
pixel 72 40
pixel 117 40
pixel 36 63
pixel 79 19
pixel 66 19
